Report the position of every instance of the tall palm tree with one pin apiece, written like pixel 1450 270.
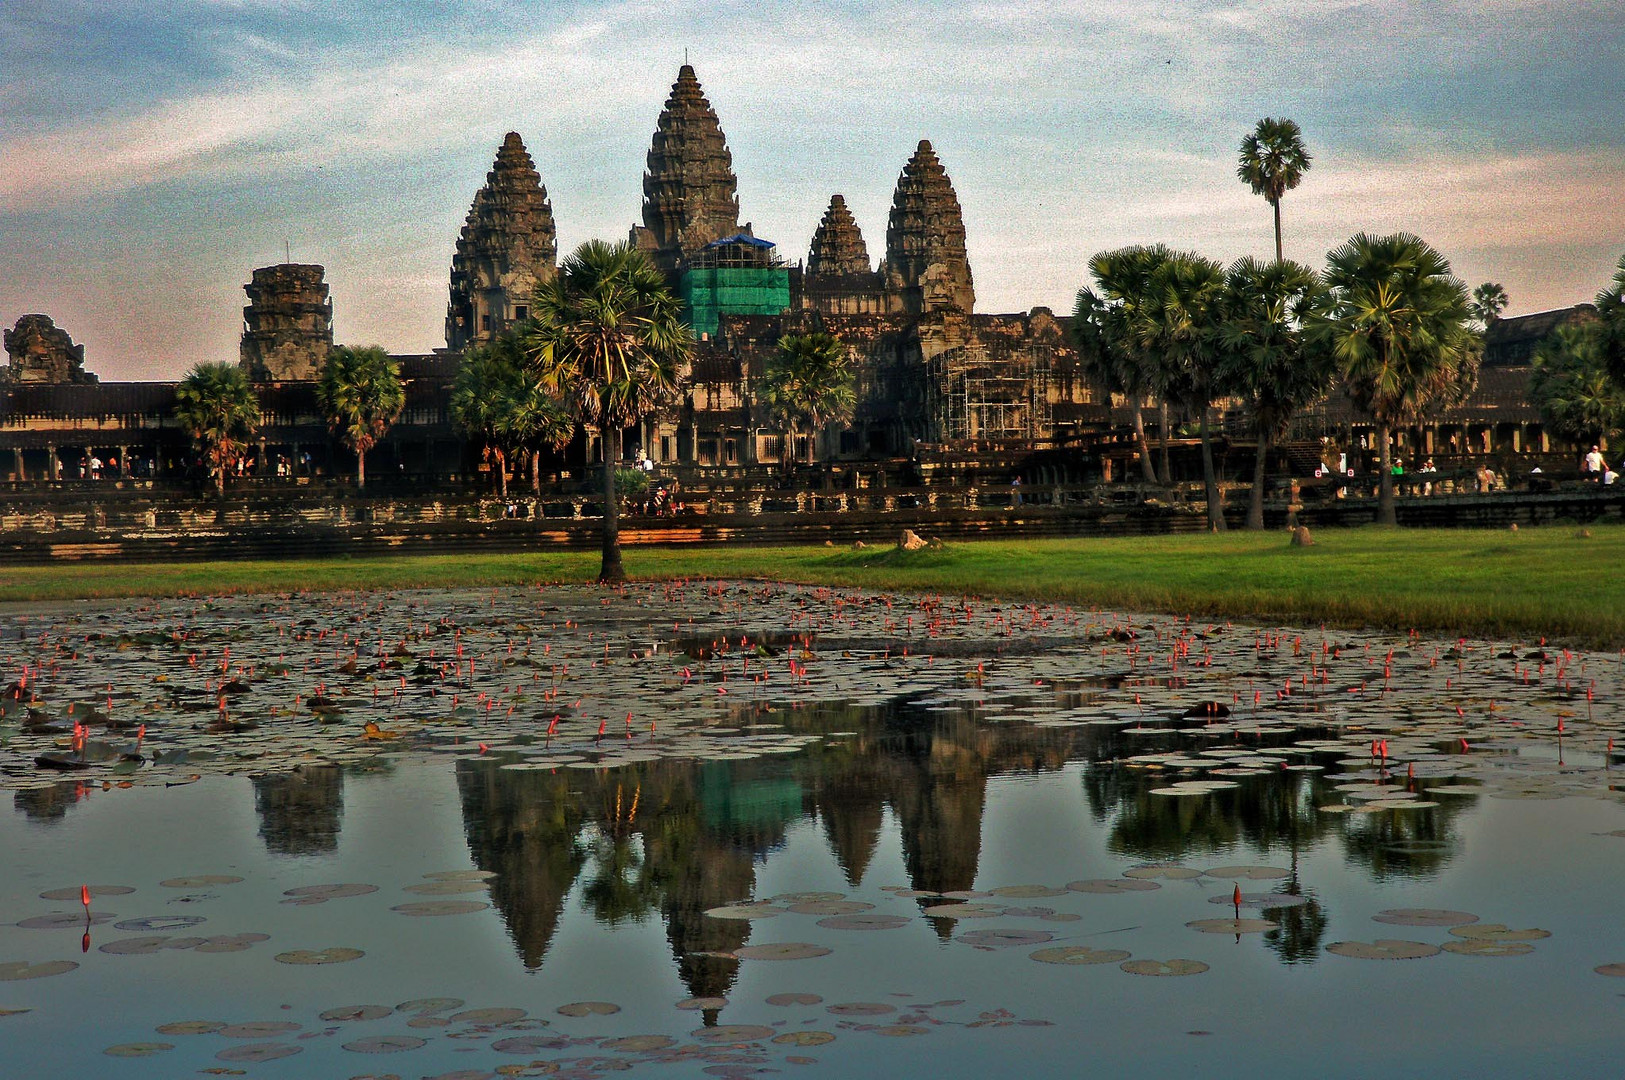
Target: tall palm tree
pixel 807 384
pixel 1273 161
pixel 606 337
pixel 498 399
pixel 1179 328
pixel 217 406
pixel 359 392
pixel 1488 301
pixel 1569 383
pixel 1103 330
pixel 1396 322
pixel 1264 358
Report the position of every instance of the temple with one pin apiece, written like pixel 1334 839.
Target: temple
pixel 943 390
pixel 508 247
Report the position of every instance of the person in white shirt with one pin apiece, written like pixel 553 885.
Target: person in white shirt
pixel 1593 462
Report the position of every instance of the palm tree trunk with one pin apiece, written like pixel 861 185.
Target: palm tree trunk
pixel 1162 417
pixel 1255 505
pixel 502 473
pixel 1277 205
pixel 360 469
pixel 812 444
pixel 220 479
pixel 536 472
pixel 1210 481
pixel 611 571
pixel 1385 483
pixel 1147 467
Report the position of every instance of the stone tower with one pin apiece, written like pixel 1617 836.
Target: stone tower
pixel 42 352
pixel 288 323
pixel 926 266
pixel 837 246
pixel 690 195
pixel 507 248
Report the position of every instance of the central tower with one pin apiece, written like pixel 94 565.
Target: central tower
pixel 690 194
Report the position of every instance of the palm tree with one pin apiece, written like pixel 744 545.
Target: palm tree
pixel 807 384
pixel 606 338
pixel 1488 301
pixel 1264 358
pixel 1571 386
pixel 359 392
pixel 498 399
pixel 1102 329
pixel 1611 306
pixel 217 406
pixel 1273 161
pixel 1396 322
pixel 1178 326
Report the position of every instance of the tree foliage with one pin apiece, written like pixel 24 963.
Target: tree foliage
pixel 360 394
pixel 605 339
pixel 1611 307
pixel 1396 323
pixel 1104 329
pixel 1488 301
pixel 807 384
pixel 498 399
pixel 1570 384
pixel 1264 356
pixel 217 406
pixel 1272 162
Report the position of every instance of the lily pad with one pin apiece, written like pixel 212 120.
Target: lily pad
pixel 15 970
pixel 357 1012
pixel 1163 967
pixel 794 999
pixel 1079 954
pixel 1498 932
pixel 71 892
pixel 1616 971
pixel 461 875
pixel 732 1033
pixel 1383 949
pixel 863 922
pixel 831 907
pixel 202 881
pixel 699 1004
pixel 138 1049
pixel 1249 873
pixel 1488 948
pixel 335 955
pixel 489 1016
pixel 160 923
pixel 255 1053
pixel 258 1029
pixel 1167 872
pixel 317 893
pixel 1233 926
pixel 66 920
pixel 1112 886
pixel 804 1038
pixel 1027 892
pixel 861 1008
pixel 744 911
pixel 1424 917
pixel 588 1008
pixel 446 888
pixel 385 1044
pixel 430 1005
pixel 639 1044
pixel 1004 939
pixel 190 1027
pixel 440 907
pixel 782 950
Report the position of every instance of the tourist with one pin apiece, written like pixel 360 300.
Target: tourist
pixel 1429 469
pixel 1591 465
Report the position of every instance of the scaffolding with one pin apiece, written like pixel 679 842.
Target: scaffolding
pixel 972 396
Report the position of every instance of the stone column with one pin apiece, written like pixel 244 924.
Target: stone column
pixel 53 466
pixel 17 462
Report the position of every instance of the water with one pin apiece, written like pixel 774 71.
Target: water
pixel 834 791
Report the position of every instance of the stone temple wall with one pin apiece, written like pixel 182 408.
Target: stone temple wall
pixel 42 352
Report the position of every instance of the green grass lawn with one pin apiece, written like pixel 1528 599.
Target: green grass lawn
pixel 1550 581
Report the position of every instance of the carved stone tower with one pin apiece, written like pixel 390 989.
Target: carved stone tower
pixel 507 248
pixel 926 266
pixel 690 195
pixel 837 246
pixel 42 352
pixel 288 323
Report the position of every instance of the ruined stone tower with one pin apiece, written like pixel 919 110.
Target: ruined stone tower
pixel 926 267
pixel 507 248
pixel 837 245
pixel 838 279
pixel 288 323
pixel 690 195
pixel 42 352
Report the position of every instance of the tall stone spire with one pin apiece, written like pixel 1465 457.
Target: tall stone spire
pixel 507 248
pixel 926 265
pixel 837 246
pixel 690 195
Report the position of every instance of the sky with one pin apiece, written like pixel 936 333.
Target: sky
pixel 154 152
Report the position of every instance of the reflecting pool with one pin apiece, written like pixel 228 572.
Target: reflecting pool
pixel 733 829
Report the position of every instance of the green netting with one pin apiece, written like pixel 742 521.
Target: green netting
pixel 710 293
